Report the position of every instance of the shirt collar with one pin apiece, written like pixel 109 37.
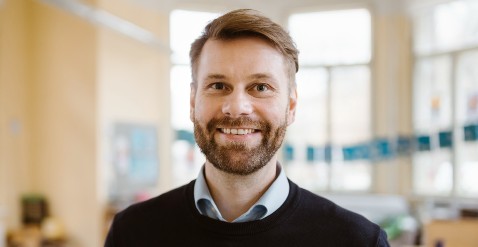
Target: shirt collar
pixel 270 201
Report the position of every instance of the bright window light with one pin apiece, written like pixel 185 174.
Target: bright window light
pixel 333 37
pixel 334 97
pixel 186 26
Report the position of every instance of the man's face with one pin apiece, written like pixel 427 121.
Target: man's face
pixel 241 104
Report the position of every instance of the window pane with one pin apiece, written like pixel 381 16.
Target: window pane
pixel 350 99
pixel 467 113
pixel 447 26
pixel 187 158
pixel 432 94
pixel 332 37
pixel 432 170
pixel 350 119
pixel 185 27
pixel 470 30
pixel 351 176
pixel 423 32
pixel 311 116
pixel 467 184
pixel 467 88
pixel 180 81
pixel 309 131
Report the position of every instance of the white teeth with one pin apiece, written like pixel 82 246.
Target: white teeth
pixel 238 131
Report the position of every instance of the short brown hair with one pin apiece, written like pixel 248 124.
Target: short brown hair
pixel 247 23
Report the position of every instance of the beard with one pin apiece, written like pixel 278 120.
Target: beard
pixel 238 158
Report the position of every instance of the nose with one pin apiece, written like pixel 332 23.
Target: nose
pixel 237 104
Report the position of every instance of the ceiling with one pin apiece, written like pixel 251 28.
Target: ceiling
pixel 278 10
pixel 281 8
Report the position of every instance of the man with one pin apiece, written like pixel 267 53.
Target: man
pixel 243 97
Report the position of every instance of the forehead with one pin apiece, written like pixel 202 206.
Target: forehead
pixel 241 56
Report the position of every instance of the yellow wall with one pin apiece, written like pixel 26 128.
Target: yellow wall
pixel 63 83
pixel 15 159
pixel 64 119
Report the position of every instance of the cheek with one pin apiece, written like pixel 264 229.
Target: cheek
pixel 275 112
pixel 204 110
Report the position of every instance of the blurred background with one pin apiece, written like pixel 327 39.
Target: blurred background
pixel 94 112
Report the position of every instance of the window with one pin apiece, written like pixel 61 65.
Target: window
pixel 334 100
pixel 446 98
pixel 446 27
pixel 185 27
pixel 432 114
pixel 466 119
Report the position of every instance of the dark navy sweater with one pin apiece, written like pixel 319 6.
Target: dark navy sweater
pixel 304 219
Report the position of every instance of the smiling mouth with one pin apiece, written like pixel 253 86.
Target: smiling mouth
pixel 237 131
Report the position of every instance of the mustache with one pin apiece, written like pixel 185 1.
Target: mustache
pixel 235 122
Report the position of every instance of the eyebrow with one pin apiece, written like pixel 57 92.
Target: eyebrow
pixel 253 76
pixel 260 76
pixel 216 76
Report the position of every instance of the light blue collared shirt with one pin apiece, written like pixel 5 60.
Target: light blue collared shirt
pixel 272 199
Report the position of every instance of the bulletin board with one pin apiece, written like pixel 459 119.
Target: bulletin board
pixel 134 161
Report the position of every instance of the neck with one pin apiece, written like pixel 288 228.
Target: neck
pixel 235 194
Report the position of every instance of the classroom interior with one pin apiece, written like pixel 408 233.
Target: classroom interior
pixel 94 112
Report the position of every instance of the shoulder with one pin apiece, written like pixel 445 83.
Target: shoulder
pixel 146 223
pixel 338 223
pixel 159 207
pixel 327 209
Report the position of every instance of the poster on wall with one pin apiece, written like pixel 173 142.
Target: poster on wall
pixel 134 162
pixel 472 107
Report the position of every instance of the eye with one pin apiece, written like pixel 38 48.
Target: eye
pixel 262 90
pixel 262 87
pixel 218 86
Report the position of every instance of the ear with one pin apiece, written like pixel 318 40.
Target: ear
pixel 292 105
pixel 192 101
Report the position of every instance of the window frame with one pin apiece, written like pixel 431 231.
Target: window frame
pixel 329 67
pixel 454 53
